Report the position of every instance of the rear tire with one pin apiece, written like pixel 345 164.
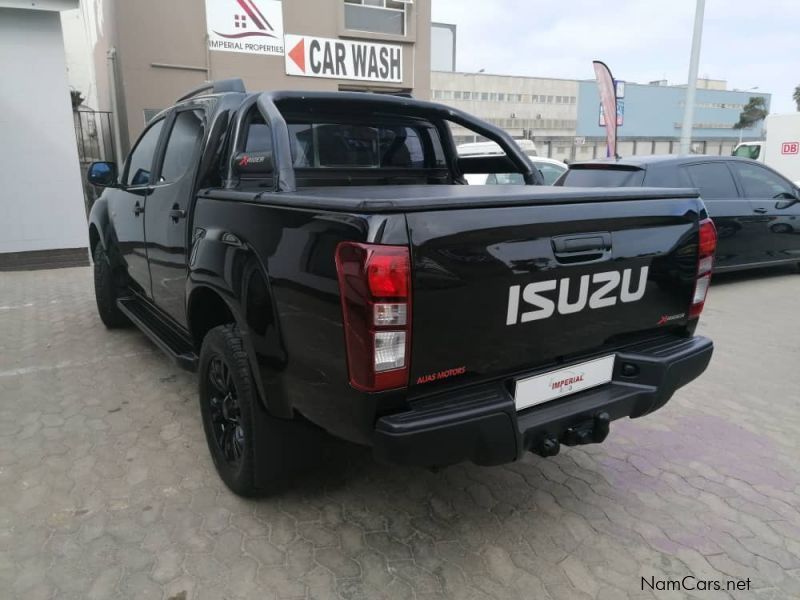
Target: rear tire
pixel 107 287
pixel 233 416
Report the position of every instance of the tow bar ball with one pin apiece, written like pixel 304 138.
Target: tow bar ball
pixel 591 431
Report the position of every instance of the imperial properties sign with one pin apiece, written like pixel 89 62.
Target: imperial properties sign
pixel 343 59
pixel 250 26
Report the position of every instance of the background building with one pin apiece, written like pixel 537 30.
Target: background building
pixel 652 115
pixel 526 107
pixel 562 116
pixel 42 216
pixel 147 53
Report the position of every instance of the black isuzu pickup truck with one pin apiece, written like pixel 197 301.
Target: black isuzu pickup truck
pixel 319 259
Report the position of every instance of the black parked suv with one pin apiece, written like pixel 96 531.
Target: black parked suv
pixel 755 209
pixel 319 259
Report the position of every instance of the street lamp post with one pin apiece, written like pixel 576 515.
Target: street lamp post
pixel 691 87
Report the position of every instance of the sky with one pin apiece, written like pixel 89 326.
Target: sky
pixel 749 43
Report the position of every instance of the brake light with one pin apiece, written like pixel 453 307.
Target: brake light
pixel 375 290
pixel 706 246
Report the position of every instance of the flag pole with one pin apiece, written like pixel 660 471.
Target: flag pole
pixel 691 87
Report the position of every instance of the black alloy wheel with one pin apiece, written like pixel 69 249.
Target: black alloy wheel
pixel 226 412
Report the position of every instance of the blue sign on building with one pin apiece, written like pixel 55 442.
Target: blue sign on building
pixel 656 111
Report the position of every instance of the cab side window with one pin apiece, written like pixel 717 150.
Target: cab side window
pixel 141 159
pixel 713 179
pixel 758 182
pixel 259 138
pixel 187 131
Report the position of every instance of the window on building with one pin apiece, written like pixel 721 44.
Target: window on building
pixel 492 96
pixel 467 95
pixel 376 16
pixel 447 95
pixel 501 97
pixel 549 99
pixel 187 131
pixel 714 180
pixel 484 95
pixel 141 159
pixel 437 94
pixel 559 99
pixel 457 95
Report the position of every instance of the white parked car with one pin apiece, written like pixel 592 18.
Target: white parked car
pixel 492 148
pixel 550 168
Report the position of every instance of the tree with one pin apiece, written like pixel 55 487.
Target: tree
pixel 796 96
pixel 753 112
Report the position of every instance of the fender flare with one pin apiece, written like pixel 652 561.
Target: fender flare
pixel 99 224
pixel 101 231
pixel 225 266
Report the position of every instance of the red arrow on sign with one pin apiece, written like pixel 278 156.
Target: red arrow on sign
pixel 298 54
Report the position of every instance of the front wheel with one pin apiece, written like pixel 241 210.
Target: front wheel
pixel 107 287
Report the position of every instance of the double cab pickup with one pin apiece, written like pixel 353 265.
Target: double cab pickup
pixel 320 261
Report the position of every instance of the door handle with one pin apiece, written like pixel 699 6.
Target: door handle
pixel 760 211
pixel 177 213
pixel 138 209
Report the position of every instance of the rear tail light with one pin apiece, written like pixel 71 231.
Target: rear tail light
pixel 375 289
pixel 706 246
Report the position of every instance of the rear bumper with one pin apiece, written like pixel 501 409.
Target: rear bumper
pixel 481 423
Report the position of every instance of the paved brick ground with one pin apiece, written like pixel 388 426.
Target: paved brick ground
pixel 107 490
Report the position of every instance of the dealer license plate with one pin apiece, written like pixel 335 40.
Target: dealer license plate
pixel 563 382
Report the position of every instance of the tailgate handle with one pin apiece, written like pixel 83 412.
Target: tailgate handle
pixel 597 242
pixel 582 248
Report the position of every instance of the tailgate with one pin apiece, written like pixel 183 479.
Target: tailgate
pixel 499 291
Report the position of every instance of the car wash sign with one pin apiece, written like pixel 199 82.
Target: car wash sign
pixel 249 26
pixel 343 59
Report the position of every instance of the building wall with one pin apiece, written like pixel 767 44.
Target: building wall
pixel 41 204
pixel 657 111
pixel 148 33
pixel 548 107
pixel 80 65
pixel 443 47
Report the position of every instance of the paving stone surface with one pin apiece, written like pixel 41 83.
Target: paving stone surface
pixel 107 489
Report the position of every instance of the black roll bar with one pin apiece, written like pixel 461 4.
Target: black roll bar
pixel 284 170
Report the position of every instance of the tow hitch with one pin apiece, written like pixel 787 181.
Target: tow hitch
pixel 590 431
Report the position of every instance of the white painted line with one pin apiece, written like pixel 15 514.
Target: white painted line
pixel 17 306
pixel 26 305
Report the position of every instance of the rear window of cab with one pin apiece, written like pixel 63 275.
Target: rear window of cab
pixel 355 146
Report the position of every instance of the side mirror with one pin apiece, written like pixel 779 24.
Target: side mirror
pixel 253 165
pixel 102 174
pixel 787 203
